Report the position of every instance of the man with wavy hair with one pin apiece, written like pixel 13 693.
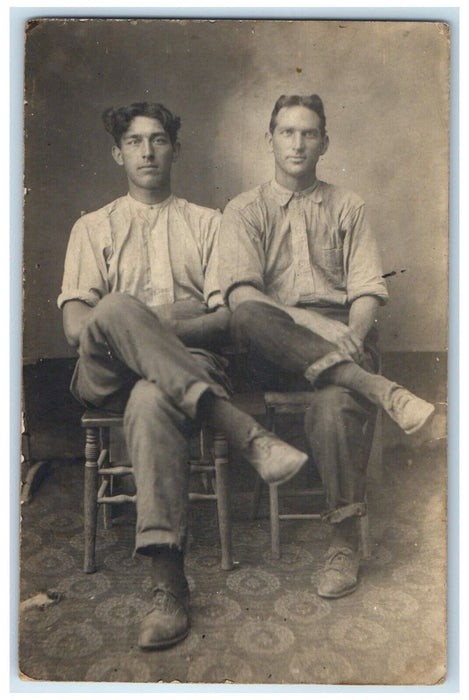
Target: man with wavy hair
pixel 141 301
pixel 300 270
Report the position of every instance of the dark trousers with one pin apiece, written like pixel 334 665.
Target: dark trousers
pixel 130 362
pixel 278 353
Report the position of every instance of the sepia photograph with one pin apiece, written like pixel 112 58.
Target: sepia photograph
pixel 234 461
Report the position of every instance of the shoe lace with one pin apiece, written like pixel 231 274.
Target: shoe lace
pixel 167 601
pixel 338 556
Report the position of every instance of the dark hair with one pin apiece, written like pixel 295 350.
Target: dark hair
pixel 117 121
pixel 312 102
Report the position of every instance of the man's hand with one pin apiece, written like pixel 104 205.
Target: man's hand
pixel 345 338
pixel 194 325
pixel 339 334
pixel 336 332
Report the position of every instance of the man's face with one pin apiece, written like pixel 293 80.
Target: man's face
pixel 297 143
pixel 147 154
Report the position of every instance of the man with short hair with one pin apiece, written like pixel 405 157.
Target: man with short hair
pixel 142 302
pixel 300 270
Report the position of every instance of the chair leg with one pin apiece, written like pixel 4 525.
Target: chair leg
pixel 220 447
pixel 256 497
pixel 364 533
pixel 107 508
pixel 273 498
pixel 259 483
pixel 375 457
pixel 90 498
pixel 274 521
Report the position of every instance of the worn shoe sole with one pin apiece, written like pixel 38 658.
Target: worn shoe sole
pixel 164 644
pixel 423 422
pixel 343 593
pixel 291 474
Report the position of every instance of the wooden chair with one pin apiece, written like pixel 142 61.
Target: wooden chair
pixel 291 403
pixel 100 473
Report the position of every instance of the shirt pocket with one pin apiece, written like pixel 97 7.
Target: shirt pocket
pixel 330 262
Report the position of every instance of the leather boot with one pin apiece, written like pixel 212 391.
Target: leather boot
pixel 168 621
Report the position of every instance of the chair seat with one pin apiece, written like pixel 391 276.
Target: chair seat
pixel 252 403
pixel 99 418
pixel 288 402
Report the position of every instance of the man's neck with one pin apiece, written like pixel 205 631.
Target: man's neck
pixel 295 184
pixel 149 196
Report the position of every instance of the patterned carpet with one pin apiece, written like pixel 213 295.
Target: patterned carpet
pixel 261 623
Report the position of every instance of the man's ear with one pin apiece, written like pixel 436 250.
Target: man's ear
pixel 325 144
pixel 117 155
pixel 268 141
pixel 176 151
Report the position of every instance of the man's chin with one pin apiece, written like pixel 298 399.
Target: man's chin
pixel 298 171
pixel 149 183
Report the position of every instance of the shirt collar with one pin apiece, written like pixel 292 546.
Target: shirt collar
pixel 283 196
pixel 137 206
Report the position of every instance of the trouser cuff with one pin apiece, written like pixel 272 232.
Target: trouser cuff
pixel 332 358
pixel 146 542
pixel 336 515
pixel 195 392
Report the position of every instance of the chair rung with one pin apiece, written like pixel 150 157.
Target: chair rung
pixel 303 492
pixel 118 499
pixel 115 471
pixel 103 457
pixel 202 469
pixel 300 516
pixel 278 400
pixel 202 497
pixel 289 409
pixel 103 488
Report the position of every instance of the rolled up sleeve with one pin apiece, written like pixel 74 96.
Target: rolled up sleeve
pixel 212 293
pixel 364 273
pixel 84 271
pixel 241 253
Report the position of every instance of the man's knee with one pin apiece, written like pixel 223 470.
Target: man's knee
pixel 113 306
pixel 110 311
pixel 243 315
pixel 255 316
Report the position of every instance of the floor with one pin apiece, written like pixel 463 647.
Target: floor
pixel 261 623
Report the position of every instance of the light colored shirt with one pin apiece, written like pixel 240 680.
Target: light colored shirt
pixel 159 253
pixel 313 247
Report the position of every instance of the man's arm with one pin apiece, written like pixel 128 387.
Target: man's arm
pixel 207 331
pixel 336 332
pixel 74 316
pixel 242 267
pixel 194 325
pixel 84 280
pixel 362 317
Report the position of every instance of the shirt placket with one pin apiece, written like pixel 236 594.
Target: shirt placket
pixel 147 267
pixel 300 247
